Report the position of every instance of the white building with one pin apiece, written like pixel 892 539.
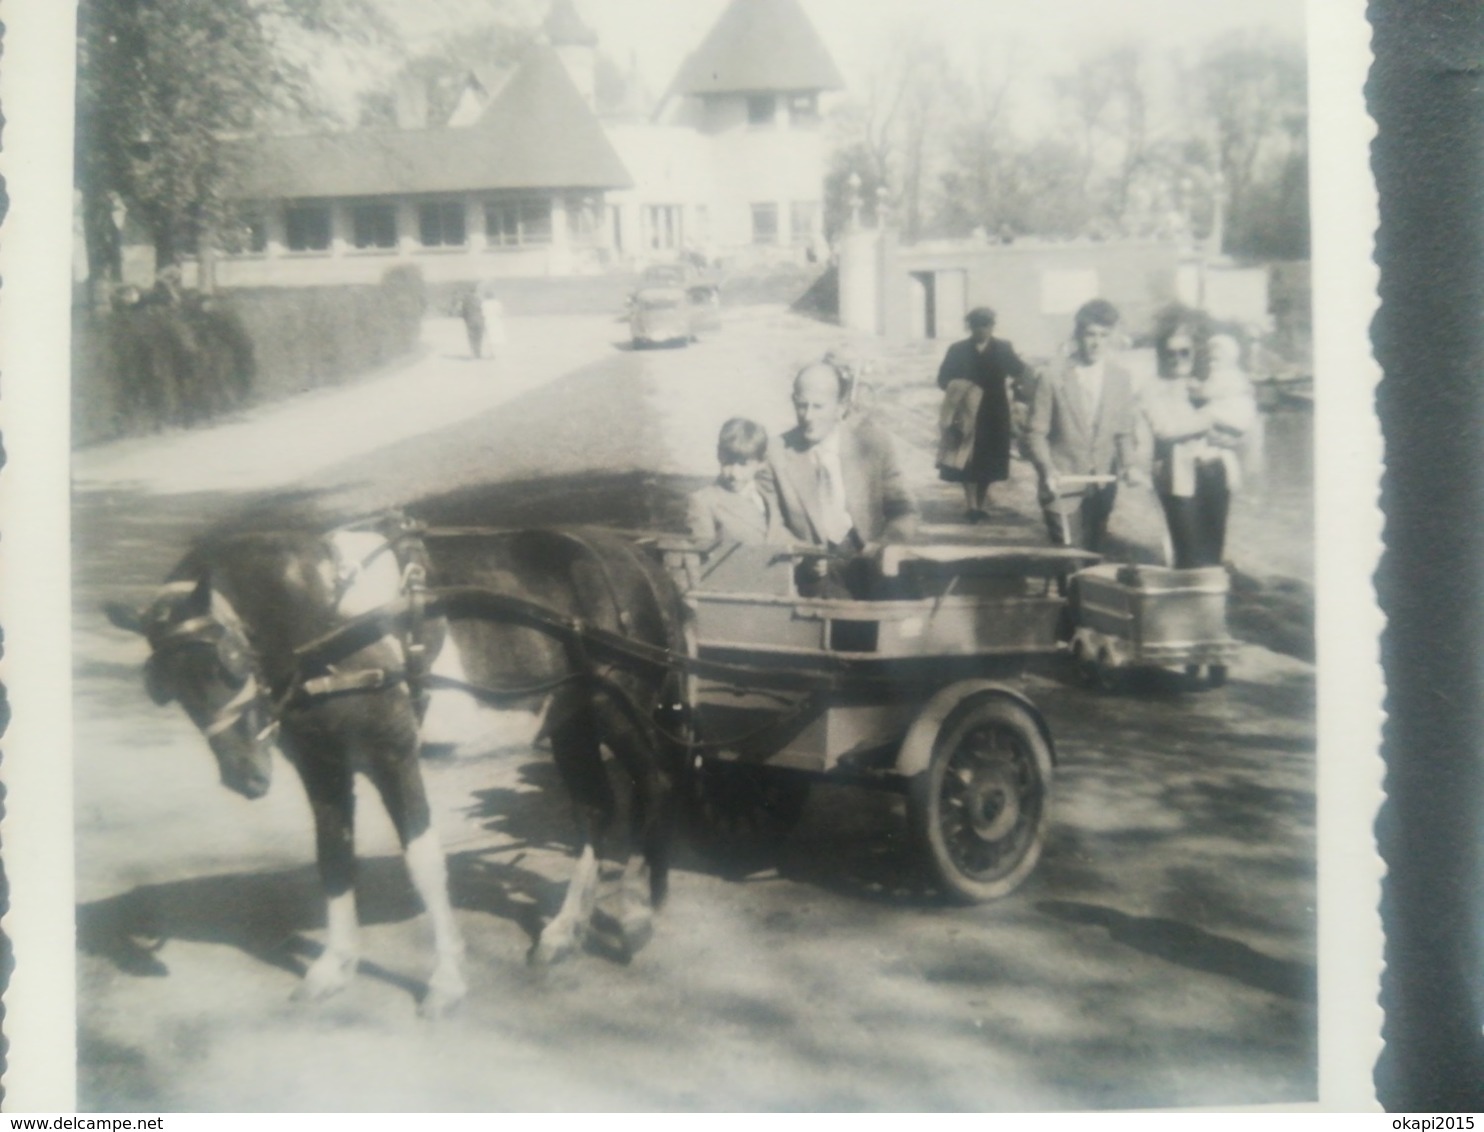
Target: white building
pixel 731 163
pixel 530 179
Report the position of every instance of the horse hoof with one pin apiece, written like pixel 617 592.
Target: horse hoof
pixel 547 952
pixel 329 975
pixel 440 1002
pixel 620 939
pixel 637 934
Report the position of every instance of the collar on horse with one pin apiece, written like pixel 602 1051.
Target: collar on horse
pixel 400 537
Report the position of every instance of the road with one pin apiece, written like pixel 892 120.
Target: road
pixel 1162 954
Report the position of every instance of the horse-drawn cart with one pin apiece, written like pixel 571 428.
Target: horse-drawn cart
pixel 911 692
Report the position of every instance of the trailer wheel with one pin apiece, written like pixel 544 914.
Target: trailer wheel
pixel 1082 661
pixel 1215 676
pixel 980 809
pixel 1109 675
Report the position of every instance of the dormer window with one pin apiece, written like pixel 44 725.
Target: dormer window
pixel 761 109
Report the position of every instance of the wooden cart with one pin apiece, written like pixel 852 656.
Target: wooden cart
pixel 911 692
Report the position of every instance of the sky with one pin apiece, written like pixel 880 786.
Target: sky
pixel 1050 34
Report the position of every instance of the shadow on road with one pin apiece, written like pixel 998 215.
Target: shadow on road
pixel 1191 947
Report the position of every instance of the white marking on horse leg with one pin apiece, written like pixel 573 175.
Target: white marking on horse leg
pixel 429 871
pixel 332 971
pixel 561 937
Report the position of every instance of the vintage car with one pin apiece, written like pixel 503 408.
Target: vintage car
pixel 674 303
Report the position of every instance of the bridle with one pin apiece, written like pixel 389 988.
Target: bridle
pixel 222 631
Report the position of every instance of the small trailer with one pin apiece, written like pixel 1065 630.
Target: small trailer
pixel 1129 617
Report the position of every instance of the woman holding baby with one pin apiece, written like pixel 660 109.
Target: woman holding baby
pixel 1199 412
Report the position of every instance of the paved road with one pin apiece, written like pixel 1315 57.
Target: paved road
pixel 1163 953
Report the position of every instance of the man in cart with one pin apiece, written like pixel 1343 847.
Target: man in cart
pixel 1081 432
pixel 840 486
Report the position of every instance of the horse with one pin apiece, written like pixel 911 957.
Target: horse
pixel 323 644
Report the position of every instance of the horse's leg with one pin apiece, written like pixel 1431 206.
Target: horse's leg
pixel 329 783
pixel 649 805
pixel 398 779
pixel 579 760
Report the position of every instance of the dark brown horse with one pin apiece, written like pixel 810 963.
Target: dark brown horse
pixel 322 644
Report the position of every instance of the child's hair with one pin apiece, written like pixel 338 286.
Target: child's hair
pixel 741 440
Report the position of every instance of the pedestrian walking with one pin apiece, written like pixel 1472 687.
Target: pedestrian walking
pixel 471 311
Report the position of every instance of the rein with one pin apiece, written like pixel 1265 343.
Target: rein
pixel 314 675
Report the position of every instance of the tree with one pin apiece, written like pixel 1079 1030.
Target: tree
pixel 892 136
pixel 1255 100
pixel 163 88
pixel 437 77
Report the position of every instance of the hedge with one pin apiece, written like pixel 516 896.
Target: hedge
pixel 148 367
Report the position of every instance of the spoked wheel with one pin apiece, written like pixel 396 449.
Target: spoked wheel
pixel 979 812
pixel 744 804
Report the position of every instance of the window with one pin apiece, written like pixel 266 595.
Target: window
pixel 245 234
pixel 803 216
pixel 662 227
pixel 760 108
pixel 803 109
pixel 515 222
pixel 584 220
pixel 307 227
pixel 374 225
pixel 765 223
pixel 440 224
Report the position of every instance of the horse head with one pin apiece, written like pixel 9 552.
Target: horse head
pixel 200 656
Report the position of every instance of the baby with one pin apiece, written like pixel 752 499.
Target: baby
pixel 737 507
pixel 1225 397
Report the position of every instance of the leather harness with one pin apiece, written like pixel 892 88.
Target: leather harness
pixel 597 654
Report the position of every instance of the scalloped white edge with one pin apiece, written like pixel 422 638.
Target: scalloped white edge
pixel 1348 542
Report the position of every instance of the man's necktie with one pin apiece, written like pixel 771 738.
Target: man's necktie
pixel 835 519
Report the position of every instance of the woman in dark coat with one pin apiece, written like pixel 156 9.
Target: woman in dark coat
pixel 989 365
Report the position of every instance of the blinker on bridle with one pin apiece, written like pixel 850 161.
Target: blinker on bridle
pixel 229 644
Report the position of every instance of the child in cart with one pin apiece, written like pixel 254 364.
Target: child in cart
pixel 738 507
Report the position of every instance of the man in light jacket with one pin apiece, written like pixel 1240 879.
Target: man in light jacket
pixel 840 485
pixel 1082 425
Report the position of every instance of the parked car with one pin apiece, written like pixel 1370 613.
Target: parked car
pixel 674 303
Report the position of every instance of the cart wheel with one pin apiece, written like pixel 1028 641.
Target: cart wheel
pixel 1216 676
pixel 979 811
pixel 739 802
pixel 1108 675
